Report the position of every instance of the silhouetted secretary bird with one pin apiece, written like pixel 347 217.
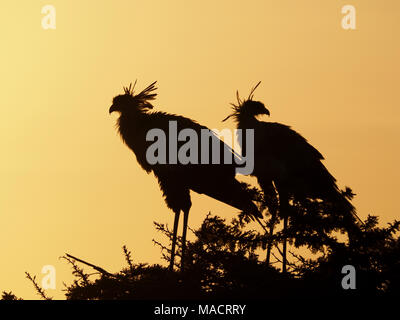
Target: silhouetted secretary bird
pixel 176 179
pixel 285 161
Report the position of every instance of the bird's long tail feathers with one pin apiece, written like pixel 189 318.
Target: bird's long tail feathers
pixel 343 206
pixel 236 195
pixel 329 190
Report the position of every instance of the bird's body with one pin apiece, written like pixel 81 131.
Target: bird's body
pixel 285 161
pixel 213 180
pixel 176 180
pixel 285 158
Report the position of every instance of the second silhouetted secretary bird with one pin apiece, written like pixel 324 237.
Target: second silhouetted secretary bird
pixel 284 160
pixel 177 179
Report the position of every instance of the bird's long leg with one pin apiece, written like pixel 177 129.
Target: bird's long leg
pixel 271 232
pixel 176 222
pixel 285 223
pixel 185 223
pixel 284 208
pixel 270 193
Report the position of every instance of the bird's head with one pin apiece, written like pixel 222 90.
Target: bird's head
pixel 131 102
pixel 247 108
pixel 254 108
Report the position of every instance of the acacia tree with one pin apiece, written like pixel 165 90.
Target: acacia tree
pixel 228 260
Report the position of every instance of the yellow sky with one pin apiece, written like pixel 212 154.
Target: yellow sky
pixel 68 184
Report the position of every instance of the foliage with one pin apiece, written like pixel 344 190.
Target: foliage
pixel 227 260
pixel 9 296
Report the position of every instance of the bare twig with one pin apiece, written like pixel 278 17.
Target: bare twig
pixel 262 225
pixel 277 259
pixel 101 270
pixel 77 271
pixel 279 250
pixel 38 288
pixel 128 258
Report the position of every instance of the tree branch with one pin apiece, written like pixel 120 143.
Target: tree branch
pixel 101 270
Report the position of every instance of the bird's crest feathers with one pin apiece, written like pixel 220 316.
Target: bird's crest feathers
pixel 144 96
pixel 130 90
pixel 236 107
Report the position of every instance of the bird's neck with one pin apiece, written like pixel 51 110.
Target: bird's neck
pixel 132 120
pixel 245 121
pixel 132 129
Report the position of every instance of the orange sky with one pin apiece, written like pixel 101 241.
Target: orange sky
pixel 68 184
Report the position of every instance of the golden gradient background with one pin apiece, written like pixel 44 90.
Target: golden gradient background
pixel 68 184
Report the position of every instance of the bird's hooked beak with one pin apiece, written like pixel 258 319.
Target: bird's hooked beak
pixel 112 109
pixel 262 112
